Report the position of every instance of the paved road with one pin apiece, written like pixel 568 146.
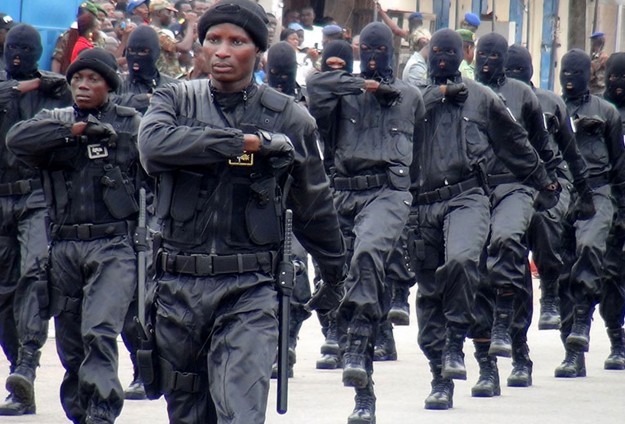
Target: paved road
pixel 318 397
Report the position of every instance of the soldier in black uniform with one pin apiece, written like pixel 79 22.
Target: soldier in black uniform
pixel 223 150
pixel 599 135
pixel 24 91
pixel 369 123
pixel 464 120
pixel 135 91
pixel 88 157
pixel 612 302
pixel 544 235
pixel 143 77
pixel 511 212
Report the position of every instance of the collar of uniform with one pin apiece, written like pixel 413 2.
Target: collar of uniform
pixel 83 114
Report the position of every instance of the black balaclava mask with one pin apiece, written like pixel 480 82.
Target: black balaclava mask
pixel 282 67
pixel 341 49
pixel 23 42
pixel 575 71
pixel 519 64
pixel 142 38
pixel 492 52
pixel 445 55
pixel 615 79
pixel 376 44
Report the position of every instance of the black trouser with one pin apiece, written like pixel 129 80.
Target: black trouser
pixel 454 232
pixel 544 237
pixel 374 219
pixel 224 331
pixel 612 300
pixel 584 248
pixel 95 281
pixel 512 210
pixel 23 253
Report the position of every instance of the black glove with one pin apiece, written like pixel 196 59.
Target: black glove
pixel 326 297
pixel 590 125
pixel 387 95
pixel 52 85
pixel 584 206
pixel 277 148
pixel 456 93
pixel 100 131
pixel 547 197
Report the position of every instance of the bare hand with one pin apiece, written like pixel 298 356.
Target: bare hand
pixel 251 143
pixel 78 128
pixel 28 85
pixel 371 85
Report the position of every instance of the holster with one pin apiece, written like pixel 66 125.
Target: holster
pixel 147 361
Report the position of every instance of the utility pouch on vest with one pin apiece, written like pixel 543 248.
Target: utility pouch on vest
pixel 398 177
pixel 118 193
pixel 185 196
pixel 262 213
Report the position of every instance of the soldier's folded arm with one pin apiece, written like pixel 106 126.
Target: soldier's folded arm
pixel 168 142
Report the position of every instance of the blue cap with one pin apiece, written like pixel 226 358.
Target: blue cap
pixel 415 15
pixel 296 27
pixel 472 19
pixel 597 34
pixel 132 5
pixel 332 30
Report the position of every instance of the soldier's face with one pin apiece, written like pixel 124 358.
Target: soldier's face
pixel 231 56
pixel 89 89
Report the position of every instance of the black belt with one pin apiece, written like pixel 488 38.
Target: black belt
pixel 495 180
pixel 210 265
pixel 447 192
pixel 598 181
pixel 89 231
pixel 360 182
pixel 19 187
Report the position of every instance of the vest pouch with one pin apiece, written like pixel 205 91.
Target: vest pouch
pixel 398 177
pixel 119 193
pixel 262 215
pixel 185 196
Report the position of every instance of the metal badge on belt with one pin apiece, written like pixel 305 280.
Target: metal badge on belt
pixel 246 159
pixel 97 151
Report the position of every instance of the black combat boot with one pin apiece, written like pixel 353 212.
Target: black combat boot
pixel 521 375
pixel 21 383
pixel 442 394
pixel 488 383
pixel 399 314
pixel 453 356
pixel 330 350
pixel 364 411
pixel 99 413
pixel 549 307
pixel 500 340
pixel 13 406
pixel 616 359
pixel 385 343
pixel 574 364
pixel 579 336
pixel 355 361
pixel 135 390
